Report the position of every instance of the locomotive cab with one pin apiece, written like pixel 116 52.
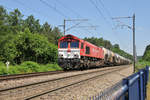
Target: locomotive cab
pixel 75 53
pixel 68 51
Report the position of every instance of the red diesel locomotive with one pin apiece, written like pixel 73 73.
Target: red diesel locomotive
pixel 75 53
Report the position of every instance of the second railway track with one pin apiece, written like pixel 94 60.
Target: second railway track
pixel 18 76
pixel 35 90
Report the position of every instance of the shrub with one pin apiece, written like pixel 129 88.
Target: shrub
pixel 2 64
pixel 54 66
pixel 28 67
pixel 13 70
pixel 49 67
pixel 30 47
pixel 3 70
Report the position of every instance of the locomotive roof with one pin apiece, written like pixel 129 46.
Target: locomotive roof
pixel 69 35
pixel 74 37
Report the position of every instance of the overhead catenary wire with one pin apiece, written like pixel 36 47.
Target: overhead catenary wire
pixel 68 8
pixel 53 8
pixel 30 8
pixel 50 6
pixel 99 11
pixel 59 12
pixel 107 11
pixel 110 17
pixel 72 11
pixel 112 24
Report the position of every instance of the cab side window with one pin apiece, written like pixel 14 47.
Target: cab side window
pixel 87 50
pixel 81 45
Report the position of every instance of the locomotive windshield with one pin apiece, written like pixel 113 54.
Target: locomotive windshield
pixel 63 44
pixel 74 44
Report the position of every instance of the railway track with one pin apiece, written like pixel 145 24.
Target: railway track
pixel 18 76
pixel 36 90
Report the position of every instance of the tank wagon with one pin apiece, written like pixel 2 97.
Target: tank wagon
pixel 75 53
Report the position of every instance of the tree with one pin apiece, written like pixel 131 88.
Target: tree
pixel 15 40
pixel 57 34
pixel 116 46
pixel 15 21
pixel 30 47
pixel 5 31
pixel 33 24
pixel 46 28
pixel 146 55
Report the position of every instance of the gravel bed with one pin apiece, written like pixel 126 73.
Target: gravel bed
pixel 18 82
pixel 91 88
pixel 32 90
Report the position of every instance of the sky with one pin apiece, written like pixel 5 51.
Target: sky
pixel 98 15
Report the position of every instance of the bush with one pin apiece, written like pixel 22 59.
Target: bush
pixel 13 70
pixel 2 64
pixel 146 55
pixel 3 70
pixel 30 47
pixel 53 66
pixel 49 67
pixel 141 64
pixel 29 66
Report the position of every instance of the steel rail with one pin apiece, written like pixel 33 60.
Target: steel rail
pixel 18 76
pixel 35 83
pixel 79 82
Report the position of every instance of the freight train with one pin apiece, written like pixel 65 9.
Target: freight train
pixel 75 53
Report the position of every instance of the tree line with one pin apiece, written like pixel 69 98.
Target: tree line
pixel 25 39
pixel 146 55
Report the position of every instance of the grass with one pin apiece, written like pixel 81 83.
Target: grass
pixel 27 67
pixel 141 64
pixel 148 88
pixel 148 91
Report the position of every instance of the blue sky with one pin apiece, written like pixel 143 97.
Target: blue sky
pixel 58 10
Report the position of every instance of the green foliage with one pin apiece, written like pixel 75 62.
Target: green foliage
pixel 146 55
pixel 141 64
pixel 28 67
pixel 105 43
pixel 3 70
pixel 19 44
pixel 121 52
pixel 144 60
pixel 2 64
pixel 30 47
pixel 13 70
pixel 50 67
pixel 33 24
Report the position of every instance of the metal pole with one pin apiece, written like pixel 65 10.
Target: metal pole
pixel 64 25
pixel 134 41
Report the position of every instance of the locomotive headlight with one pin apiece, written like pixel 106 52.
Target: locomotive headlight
pixel 76 55
pixel 60 55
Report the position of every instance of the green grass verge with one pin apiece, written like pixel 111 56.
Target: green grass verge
pixel 148 91
pixel 27 67
pixel 141 64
